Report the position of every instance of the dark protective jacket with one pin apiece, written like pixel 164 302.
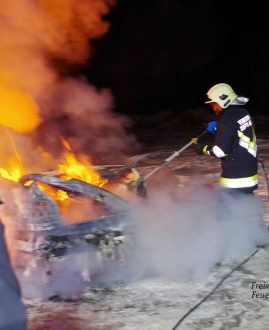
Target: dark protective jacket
pixel 235 145
pixel 12 310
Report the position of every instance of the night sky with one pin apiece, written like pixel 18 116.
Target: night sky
pixel 165 54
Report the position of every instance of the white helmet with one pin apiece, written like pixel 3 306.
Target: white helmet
pixel 222 94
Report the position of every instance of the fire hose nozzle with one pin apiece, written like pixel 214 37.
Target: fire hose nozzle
pixel 194 140
pixel 142 189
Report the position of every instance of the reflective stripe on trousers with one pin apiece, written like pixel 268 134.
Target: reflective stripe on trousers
pixel 240 182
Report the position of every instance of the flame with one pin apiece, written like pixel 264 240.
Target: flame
pixel 18 110
pixel 15 167
pixel 70 168
pixel 36 38
pixel 14 170
pixel 73 168
pixel 58 195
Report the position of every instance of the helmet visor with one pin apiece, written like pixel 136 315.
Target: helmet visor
pixel 209 101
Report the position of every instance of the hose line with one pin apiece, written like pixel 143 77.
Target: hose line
pixel 215 288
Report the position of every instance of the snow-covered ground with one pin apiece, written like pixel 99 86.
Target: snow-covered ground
pixel 186 244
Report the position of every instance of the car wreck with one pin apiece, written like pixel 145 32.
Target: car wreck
pixel 45 230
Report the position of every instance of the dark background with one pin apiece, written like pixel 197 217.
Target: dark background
pixel 165 54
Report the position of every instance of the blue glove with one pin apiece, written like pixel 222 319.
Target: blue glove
pixel 212 126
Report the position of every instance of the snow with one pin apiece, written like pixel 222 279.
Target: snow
pixel 185 255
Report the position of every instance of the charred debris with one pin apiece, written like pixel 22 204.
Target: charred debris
pixel 41 233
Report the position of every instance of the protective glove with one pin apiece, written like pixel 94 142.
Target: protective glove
pixel 212 126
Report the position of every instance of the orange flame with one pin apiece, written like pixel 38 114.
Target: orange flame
pixel 18 110
pixel 73 168
pixel 70 168
pixel 58 195
pixel 14 171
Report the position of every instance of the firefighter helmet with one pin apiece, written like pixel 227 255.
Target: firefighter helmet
pixel 223 94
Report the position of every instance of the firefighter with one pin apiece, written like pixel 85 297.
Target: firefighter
pixel 235 140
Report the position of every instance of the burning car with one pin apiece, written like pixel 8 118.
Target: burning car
pixel 52 217
pixel 41 217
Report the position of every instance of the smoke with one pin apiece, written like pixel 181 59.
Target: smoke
pixel 43 43
pixel 164 237
pixel 39 35
pixel 187 238
pixel 65 277
pixel 82 115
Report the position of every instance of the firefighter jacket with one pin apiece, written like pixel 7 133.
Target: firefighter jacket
pixel 235 145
